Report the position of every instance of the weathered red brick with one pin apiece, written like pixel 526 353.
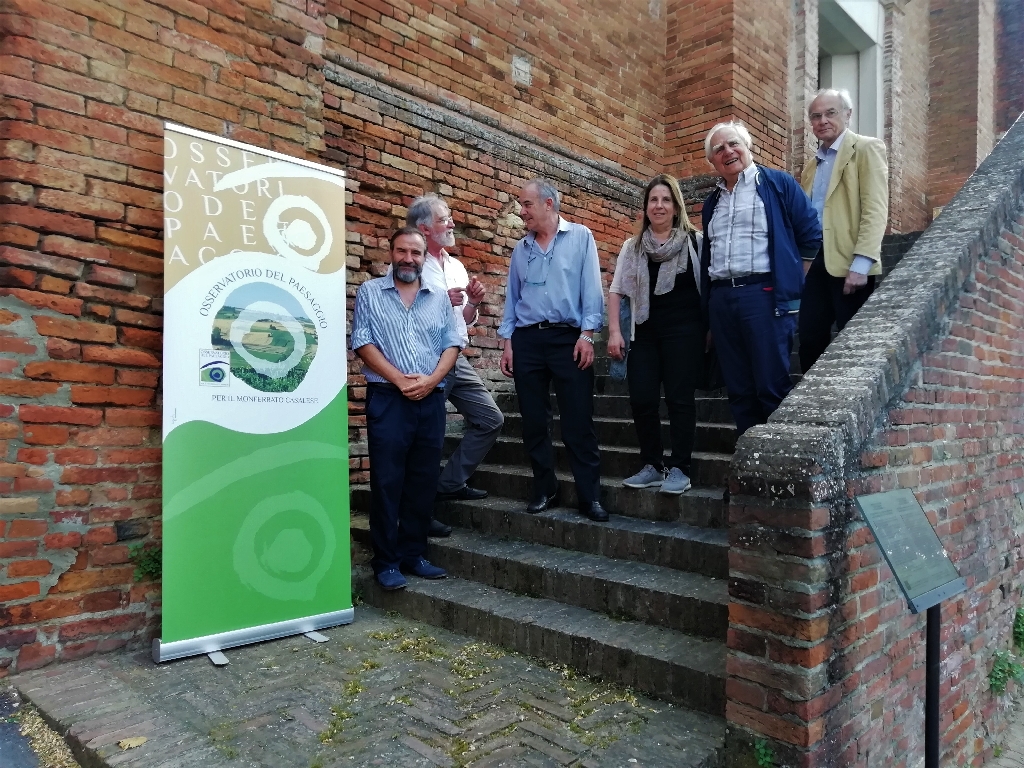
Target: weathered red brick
pixel 63 371
pixel 107 626
pixel 85 394
pixel 112 436
pixel 133 417
pixel 72 329
pixel 48 221
pixel 68 540
pixel 74 456
pixel 62 349
pixel 45 434
pixel 41 261
pixel 136 337
pixel 63 304
pixel 54 414
pixel 35 655
pixel 120 356
pixel 22 388
pixel 26 529
pixel 80 581
pixel 75 249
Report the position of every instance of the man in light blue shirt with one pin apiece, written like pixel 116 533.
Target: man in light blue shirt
pixel 404 331
pixel 554 304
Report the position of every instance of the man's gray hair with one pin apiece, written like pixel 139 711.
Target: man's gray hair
pixel 736 125
pixel 842 93
pixel 547 190
pixel 422 210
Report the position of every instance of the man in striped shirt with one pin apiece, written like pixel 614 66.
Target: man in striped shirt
pixel 404 332
pixel 758 227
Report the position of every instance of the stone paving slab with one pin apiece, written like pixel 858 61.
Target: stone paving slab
pixel 383 691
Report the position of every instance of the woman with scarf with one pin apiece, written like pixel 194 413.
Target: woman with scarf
pixel 659 272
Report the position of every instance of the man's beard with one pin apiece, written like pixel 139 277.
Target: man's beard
pixel 407 274
pixel 447 240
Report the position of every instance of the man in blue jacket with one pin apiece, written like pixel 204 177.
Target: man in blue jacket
pixel 759 225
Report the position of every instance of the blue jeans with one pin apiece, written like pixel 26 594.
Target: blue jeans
pixel 754 345
pixel 404 438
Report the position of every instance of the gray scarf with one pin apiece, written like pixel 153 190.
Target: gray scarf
pixel 672 255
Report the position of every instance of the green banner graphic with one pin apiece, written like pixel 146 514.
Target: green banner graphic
pixel 255 413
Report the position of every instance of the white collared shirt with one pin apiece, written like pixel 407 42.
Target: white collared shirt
pixel 739 230
pixel 449 273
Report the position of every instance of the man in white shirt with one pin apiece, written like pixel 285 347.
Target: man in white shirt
pixel 848 183
pixel 463 386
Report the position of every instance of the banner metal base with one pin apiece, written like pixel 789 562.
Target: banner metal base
pixel 181 648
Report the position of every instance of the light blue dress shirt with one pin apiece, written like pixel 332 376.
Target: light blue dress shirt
pixel 411 338
pixel 560 285
pixel 826 159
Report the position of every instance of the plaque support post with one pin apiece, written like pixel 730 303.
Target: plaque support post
pixel 931 697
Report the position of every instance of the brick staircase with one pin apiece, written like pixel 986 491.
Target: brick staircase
pixel 641 601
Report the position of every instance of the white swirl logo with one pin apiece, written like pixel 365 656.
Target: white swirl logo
pixel 268 310
pixel 266 567
pixel 286 235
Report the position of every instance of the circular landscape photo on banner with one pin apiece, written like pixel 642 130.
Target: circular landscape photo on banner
pixel 271 341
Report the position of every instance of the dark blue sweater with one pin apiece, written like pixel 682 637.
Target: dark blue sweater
pixel 794 234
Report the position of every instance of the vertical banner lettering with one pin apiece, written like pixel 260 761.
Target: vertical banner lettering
pixel 255 415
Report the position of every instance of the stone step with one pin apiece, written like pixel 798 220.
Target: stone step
pixel 662 662
pixel 700 507
pixel 709 469
pixel 668 544
pixel 710 409
pixel 716 438
pixel 664 597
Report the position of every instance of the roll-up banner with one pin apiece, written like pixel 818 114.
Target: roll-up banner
pixel 255 418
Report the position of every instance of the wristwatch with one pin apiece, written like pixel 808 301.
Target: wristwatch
pixel 586 338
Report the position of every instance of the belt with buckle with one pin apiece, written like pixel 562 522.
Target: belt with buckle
pixel 545 324
pixel 736 282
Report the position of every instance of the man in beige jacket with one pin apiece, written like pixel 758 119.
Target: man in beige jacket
pixel 848 183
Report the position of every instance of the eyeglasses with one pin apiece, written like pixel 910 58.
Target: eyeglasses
pixel 831 114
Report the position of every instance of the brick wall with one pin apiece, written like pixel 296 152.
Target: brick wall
pixel 86 86
pixel 726 59
pixel 803 76
pixel 595 65
pixel 905 82
pixel 960 112
pixel 923 390
pixel 1009 63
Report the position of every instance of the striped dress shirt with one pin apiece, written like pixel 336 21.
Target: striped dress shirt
pixel 738 230
pixel 411 338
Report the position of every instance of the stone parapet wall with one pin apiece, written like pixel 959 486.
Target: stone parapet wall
pixel 924 389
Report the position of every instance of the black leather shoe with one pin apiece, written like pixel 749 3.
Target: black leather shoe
pixel 542 503
pixel 465 493
pixel 438 529
pixel 595 512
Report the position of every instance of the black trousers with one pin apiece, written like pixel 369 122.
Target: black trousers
pixel 541 357
pixel 823 303
pixel 671 357
pixel 404 438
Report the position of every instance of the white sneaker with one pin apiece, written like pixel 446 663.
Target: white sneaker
pixel 676 482
pixel 648 477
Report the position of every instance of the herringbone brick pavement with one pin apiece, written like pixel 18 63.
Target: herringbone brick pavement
pixel 383 691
